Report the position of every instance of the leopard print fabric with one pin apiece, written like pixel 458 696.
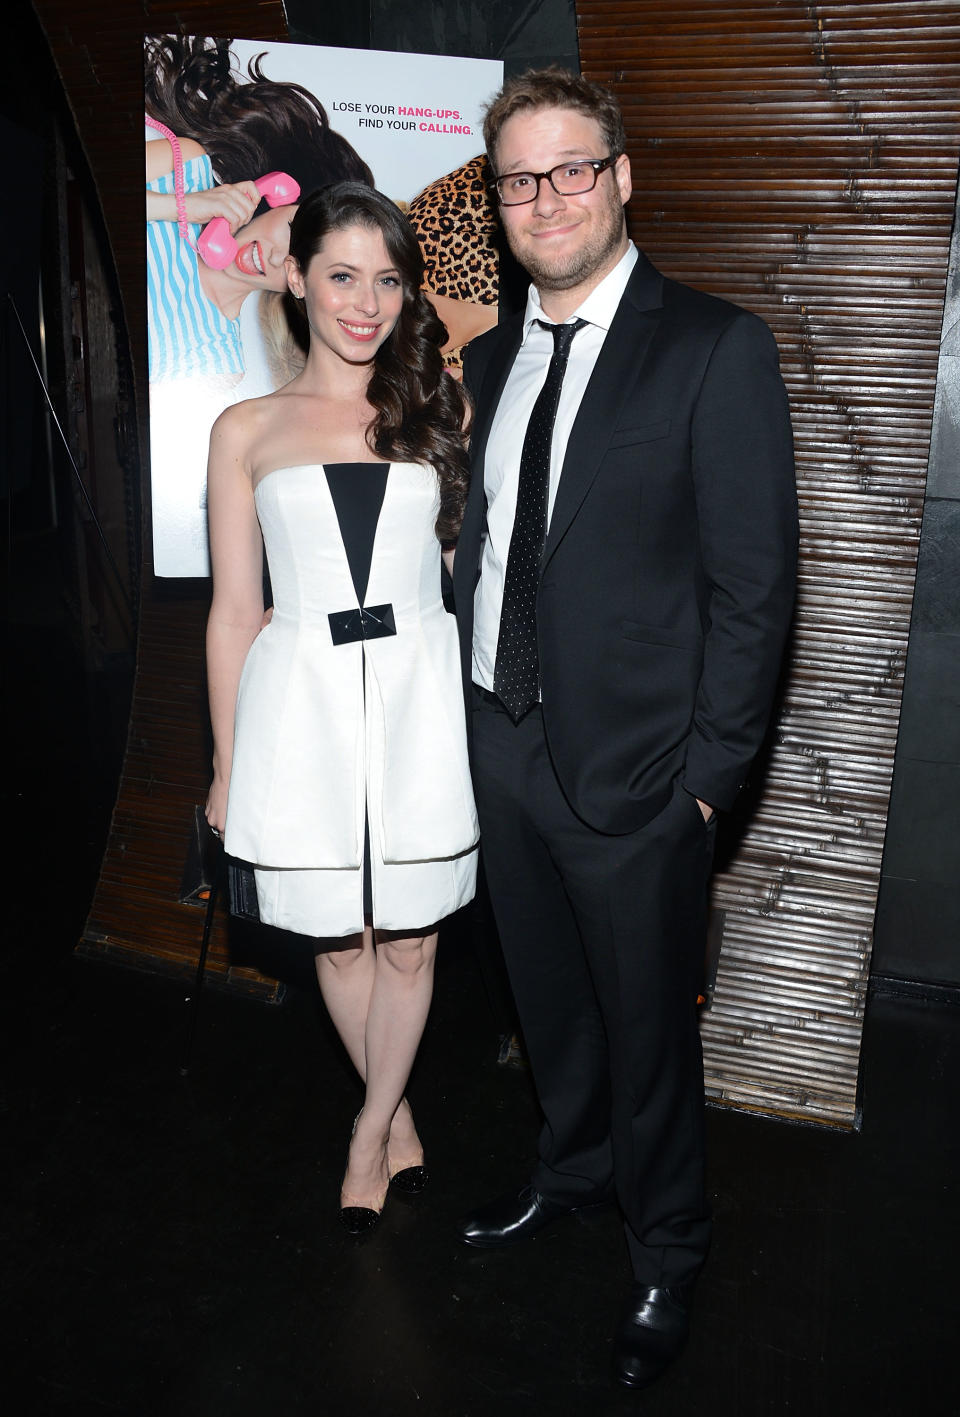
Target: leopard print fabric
pixel 456 224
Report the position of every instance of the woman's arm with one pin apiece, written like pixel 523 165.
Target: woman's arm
pixel 237 201
pixel 236 554
pixel 464 319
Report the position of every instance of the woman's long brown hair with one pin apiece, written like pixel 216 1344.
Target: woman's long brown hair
pixel 420 410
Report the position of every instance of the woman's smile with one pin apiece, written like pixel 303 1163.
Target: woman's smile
pixel 357 331
pixel 249 259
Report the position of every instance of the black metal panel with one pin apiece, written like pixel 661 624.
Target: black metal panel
pixel 522 35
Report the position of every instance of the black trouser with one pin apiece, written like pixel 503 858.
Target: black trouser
pixel 604 941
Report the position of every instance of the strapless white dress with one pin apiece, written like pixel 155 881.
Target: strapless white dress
pixel 332 735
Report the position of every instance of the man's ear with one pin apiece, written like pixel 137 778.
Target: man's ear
pixel 621 169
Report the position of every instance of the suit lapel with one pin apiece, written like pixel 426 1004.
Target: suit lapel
pixel 492 378
pixel 613 379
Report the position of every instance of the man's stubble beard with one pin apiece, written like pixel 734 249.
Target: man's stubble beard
pixel 604 242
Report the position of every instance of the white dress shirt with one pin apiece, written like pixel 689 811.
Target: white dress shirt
pixel 502 461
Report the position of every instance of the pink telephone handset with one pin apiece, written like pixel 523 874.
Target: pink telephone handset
pixel 217 247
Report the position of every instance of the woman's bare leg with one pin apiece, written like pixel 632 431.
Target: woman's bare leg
pixel 379 999
pixel 345 976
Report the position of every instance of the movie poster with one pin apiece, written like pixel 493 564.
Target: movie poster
pixel 410 123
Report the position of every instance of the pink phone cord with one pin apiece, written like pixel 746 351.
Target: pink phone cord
pixel 174 142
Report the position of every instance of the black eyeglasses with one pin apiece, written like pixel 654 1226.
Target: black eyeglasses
pixel 568 179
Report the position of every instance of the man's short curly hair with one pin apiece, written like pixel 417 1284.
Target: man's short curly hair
pixel 553 88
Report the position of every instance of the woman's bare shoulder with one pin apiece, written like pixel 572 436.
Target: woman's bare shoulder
pixel 159 155
pixel 233 423
pixel 249 430
pixel 237 430
pixel 249 417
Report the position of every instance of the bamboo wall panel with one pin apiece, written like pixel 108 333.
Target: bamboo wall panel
pixel 801 159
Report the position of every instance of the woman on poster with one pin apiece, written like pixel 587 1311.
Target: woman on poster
pixel 227 131
pixel 340 764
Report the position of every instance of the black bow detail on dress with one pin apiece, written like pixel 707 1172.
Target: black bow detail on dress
pixel 369 622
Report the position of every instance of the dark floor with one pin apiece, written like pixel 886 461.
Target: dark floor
pixel 172 1244
pixel 172 1247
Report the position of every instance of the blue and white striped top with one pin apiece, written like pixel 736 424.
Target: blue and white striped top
pixel 187 334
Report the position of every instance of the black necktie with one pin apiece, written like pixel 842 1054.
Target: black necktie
pixel 516 674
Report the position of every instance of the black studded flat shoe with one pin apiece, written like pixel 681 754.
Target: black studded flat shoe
pixel 409 1180
pixel 359 1219
pixel 356 1217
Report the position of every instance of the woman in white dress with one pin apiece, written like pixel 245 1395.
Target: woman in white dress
pixel 340 764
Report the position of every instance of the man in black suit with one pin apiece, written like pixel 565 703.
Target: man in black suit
pixel 624 580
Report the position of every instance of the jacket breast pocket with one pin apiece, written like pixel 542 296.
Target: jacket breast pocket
pixel 661 635
pixel 642 433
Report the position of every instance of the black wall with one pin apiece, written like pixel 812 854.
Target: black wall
pixel 523 35
pixel 918 916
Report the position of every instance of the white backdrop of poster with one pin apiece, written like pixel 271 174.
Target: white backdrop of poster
pixel 412 118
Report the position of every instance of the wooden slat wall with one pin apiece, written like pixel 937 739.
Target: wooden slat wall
pixel 801 159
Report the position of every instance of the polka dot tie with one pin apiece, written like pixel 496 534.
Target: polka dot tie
pixel 516 674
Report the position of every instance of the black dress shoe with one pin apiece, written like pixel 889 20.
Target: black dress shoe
pixel 652 1333
pixel 510 1219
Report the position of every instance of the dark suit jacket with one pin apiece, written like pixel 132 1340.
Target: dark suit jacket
pixel 667 580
